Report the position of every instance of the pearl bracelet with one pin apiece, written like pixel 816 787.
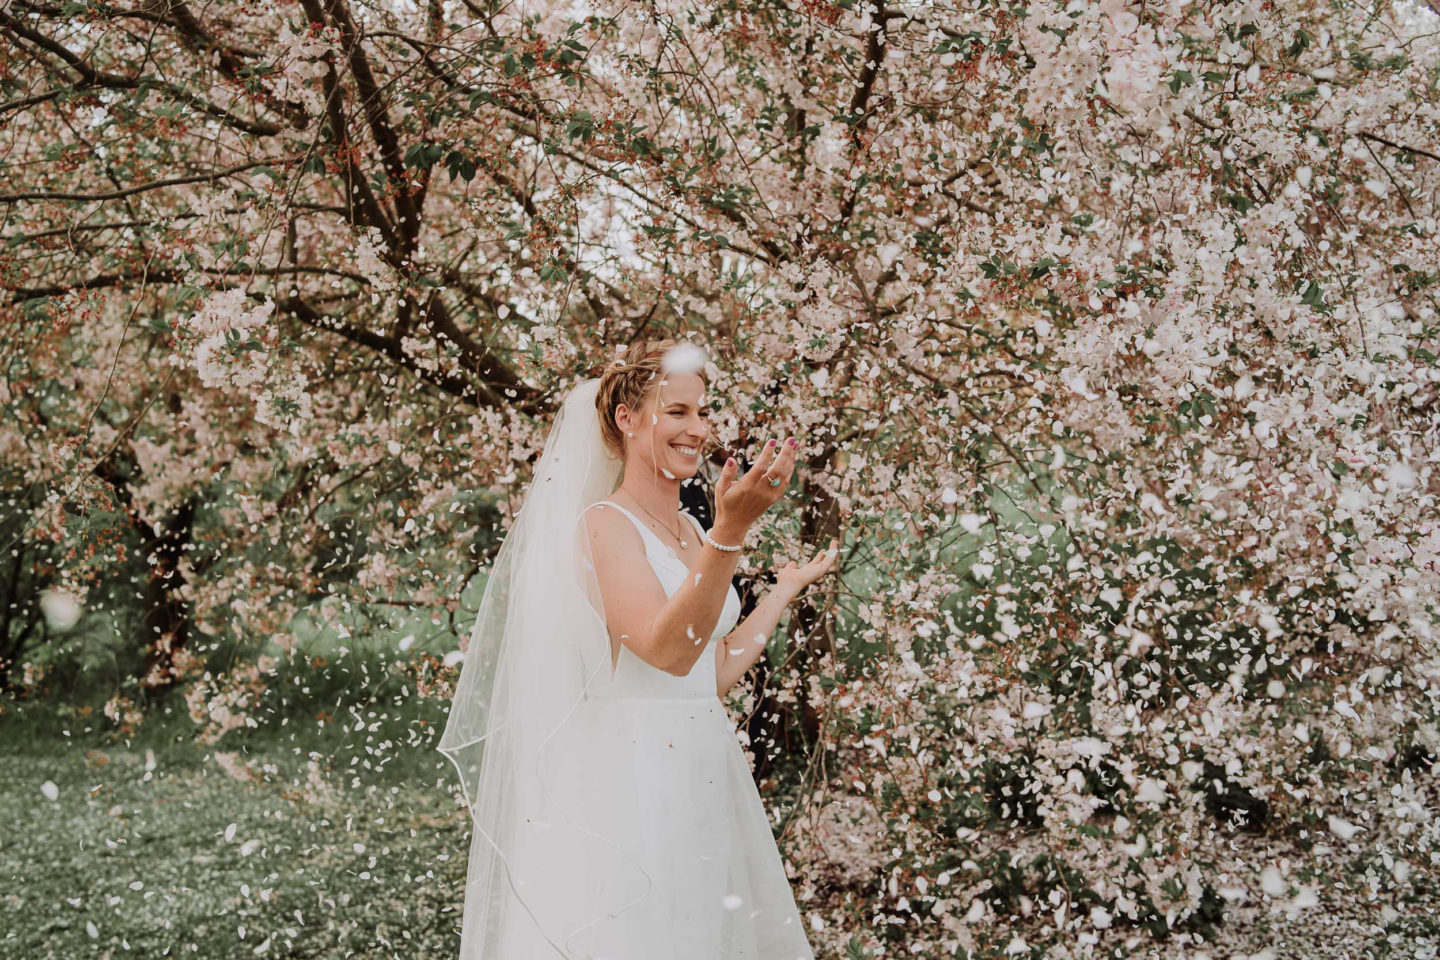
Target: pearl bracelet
pixel 721 546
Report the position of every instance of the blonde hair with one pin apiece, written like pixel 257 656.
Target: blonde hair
pixel 631 380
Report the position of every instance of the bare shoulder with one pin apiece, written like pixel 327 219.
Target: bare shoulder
pixel 610 531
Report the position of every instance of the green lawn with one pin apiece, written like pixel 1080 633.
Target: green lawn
pixel 185 859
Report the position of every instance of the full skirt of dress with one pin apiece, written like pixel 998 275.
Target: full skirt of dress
pixel 666 781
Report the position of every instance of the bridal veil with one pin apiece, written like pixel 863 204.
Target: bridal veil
pixel 543 870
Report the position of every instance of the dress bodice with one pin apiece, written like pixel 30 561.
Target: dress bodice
pixel 636 678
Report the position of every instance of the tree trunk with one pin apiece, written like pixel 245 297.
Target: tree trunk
pixel 19 587
pixel 820 520
pixel 165 624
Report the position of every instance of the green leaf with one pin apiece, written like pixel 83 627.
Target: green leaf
pixel 1239 201
pixel 459 165
pixel 997 266
pixel 1314 296
pixel 35 307
pixel 1180 79
pixel 581 126
pixel 960 45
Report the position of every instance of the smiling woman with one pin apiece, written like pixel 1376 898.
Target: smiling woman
pixel 615 812
pixel 680 410
pixel 636 383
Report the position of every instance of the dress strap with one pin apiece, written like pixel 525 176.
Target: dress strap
pixel 695 520
pixel 643 529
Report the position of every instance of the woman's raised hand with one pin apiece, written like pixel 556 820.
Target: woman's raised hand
pixel 739 501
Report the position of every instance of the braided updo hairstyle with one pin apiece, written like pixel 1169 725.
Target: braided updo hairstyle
pixel 631 380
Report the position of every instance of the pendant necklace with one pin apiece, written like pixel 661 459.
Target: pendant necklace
pixel 683 541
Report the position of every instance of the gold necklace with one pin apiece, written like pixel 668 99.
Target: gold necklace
pixel 683 542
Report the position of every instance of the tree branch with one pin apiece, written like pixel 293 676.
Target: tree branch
pixel 152 185
pixel 1400 146
pixel 90 77
pixel 385 138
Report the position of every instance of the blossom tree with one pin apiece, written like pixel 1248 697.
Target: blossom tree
pixel 1108 330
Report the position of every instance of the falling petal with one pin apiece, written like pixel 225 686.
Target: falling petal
pixel 684 357
pixel 61 609
pixel 1151 791
pixel 1343 829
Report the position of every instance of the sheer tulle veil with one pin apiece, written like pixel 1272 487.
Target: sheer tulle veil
pixel 543 872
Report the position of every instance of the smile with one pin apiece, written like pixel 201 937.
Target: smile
pixel 688 451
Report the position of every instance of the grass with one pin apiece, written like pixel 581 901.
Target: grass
pixel 279 844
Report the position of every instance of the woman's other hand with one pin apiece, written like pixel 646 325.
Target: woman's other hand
pixel 794 579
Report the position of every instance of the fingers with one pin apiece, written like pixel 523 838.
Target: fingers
pixel 830 556
pixel 824 561
pixel 782 465
pixel 766 457
pixel 727 477
pixel 790 450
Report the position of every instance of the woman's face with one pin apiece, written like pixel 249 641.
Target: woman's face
pixel 670 428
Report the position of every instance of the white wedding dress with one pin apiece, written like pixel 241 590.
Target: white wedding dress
pixel 665 779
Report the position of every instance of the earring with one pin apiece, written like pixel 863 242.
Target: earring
pixel 629 434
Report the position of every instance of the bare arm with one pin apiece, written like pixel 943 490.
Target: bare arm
pixel 741 647
pixel 667 633
pixel 670 633
pixel 744 645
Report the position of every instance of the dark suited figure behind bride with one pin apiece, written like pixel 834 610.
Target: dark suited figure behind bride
pixel 614 814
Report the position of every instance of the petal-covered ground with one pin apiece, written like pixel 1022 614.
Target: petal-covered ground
pixel 226 859
pixel 112 852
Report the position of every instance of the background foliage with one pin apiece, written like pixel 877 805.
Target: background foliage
pixel 1108 330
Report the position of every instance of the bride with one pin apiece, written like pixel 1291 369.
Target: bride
pixel 614 813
